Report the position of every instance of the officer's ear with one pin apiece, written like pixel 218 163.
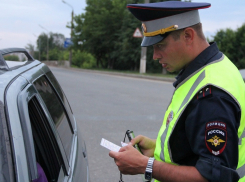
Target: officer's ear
pixel 189 35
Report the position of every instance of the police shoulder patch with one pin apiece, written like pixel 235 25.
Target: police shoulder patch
pixel 204 92
pixel 216 137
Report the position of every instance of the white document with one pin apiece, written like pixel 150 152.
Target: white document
pixel 111 146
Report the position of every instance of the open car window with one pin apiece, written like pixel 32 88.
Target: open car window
pixel 57 112
pixel 46 148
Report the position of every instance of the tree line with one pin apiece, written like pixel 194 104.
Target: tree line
pixel 232 44
pixel 103 38
pixel 106 31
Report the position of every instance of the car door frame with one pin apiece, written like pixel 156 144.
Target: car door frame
pixel 26 95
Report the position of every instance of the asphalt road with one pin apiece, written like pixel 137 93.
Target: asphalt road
pixel 105 106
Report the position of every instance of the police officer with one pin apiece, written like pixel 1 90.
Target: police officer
pixel 201 135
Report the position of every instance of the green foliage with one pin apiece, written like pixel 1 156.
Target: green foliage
pixel 232 44
pixel 225 40
pixel 106 31
pixel 83 60
pixel 127 48
pixel 99 29
pixel 42 46
pixel 30 49
pixel 152 66
pixel 54 42
pixel 103 38
pixel 241 63
pixel 103 34
pixel 11 58
pixel 65 55
pixel 56 54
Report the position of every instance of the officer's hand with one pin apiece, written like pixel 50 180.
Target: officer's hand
pixel 129 160
pixel 146 145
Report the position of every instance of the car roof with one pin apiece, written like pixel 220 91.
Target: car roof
pixel 9 70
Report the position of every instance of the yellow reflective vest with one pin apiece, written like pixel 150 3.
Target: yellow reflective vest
pixel 216 74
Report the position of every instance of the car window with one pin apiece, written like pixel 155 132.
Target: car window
pixel 56 85
pixel 47 154
pixel 56 111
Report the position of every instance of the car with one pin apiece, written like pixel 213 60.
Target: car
pixel 242 71
pixel 37 126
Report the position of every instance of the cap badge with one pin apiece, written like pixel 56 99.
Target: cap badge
pixel 161 31
pixel 144 28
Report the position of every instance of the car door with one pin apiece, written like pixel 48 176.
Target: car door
pixel 42 143
pixel 43 130
pixel 17 142
pixel 56 105
pixel 78 159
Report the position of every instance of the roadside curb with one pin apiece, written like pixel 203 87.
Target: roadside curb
pixel 128 75
pixel 122 74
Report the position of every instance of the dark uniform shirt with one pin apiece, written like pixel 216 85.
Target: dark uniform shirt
pixel 189 144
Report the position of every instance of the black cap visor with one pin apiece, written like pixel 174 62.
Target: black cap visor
pixel 149 41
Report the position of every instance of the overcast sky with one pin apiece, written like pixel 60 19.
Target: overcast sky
pixel 20 19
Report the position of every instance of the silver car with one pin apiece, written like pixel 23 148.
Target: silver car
pixel 37 125
pixel 243 73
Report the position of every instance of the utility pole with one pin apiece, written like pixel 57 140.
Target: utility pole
pixel 143 54
pixel 72 14
pixel 143 60
pixel 47 39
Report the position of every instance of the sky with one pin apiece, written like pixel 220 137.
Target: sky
pixel 21 19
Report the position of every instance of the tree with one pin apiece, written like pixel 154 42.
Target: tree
pixel 106 31
pixel 239 54
pixel 56 40
pixel 98 29
pixel 55 46
pixel 42 45
pixel 232 44
pixel 225 41
pixel 30 48
pixel 128 48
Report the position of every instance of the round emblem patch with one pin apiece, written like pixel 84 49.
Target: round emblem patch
pixel 216 137
pixel 170 117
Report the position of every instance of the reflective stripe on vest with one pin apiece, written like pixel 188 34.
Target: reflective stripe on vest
pixel 213 74
pixel 194 86
pixel 241 165
pixel 241 172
